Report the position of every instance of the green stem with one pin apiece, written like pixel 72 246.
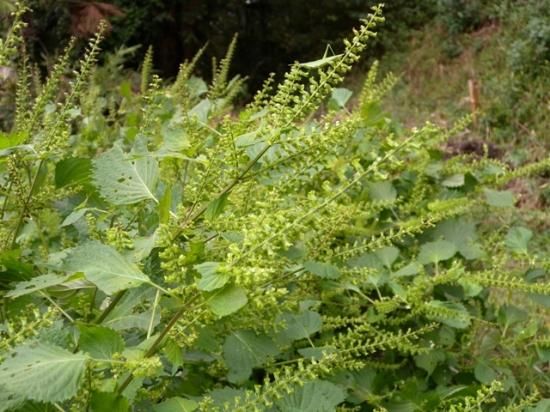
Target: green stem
pixel 111 306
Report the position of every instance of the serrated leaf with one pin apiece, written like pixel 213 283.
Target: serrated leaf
pixel 100 342
pixel 315 396
pixel 36 284
pixel 429 361
pixel 43 372
pixel 244 350
pixel 518 238
pixel 387 255
pixel 484 373
pixel 73 171
pixel 105 267
pixel 461 233
pixel 382 191
pixel 498 198
pixel 300 325
pixel 176 404
pixel 109 402
pixel 74 216
pixel 454 181
pixel 340 96
pixel 228 300
pixel 126 314
pixel 210 278
pixel 433 252
pixel 322 270
pixel 408 270
pixel 123 180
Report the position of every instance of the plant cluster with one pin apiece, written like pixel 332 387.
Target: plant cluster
pixel 161 252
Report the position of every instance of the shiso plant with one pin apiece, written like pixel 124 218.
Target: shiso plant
pixel 161 252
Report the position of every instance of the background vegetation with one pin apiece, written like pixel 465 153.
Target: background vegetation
pixel 184 243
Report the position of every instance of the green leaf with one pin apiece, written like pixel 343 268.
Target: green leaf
pixel 123 180
pixel 429 361
pixel 387 255
pixel 75 216
pixel 454 181
pixel 105 267
pixel 518 238
pixel 301 325
pixel 176 404
pixel 215 207
pixel 43 372
pixel 73 171
pixel 322 270
pixel 201 110
pixel 35 284
pixel 100 342
pixel 109 402
pixel 126 314
pixel 165 205
pixel 484 373
pixel 314 396
pixel 461 233
pixel 228 300
pixel 408 270
pixel 498 198
pixel 382 191
pixel 340 96
pixel 244 350
pixel 211 278
pixel 433 252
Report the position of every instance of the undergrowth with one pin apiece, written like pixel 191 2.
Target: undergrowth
pixel 162 253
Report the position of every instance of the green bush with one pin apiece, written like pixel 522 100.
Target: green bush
pixel 163 253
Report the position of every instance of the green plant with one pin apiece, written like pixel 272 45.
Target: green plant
pixel 163 253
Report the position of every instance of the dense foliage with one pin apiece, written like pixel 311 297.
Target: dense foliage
pixel 162 252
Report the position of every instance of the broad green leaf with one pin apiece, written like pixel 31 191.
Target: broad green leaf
pixel 43 372
pixel 35 284
pixel 12 139
pixel 429 361
pixel 387 255
pixel 9 401
pixel 228 300
pixel 300 325
pixel 176 404
pixel 215 207
pixel 461 233
pixel 73 171
pixel 100 342
pixel 382 191
pixel 211 278
pixel 314 396
pixel 498 198
pixel 340 96
pixel 109 402
pixel 201 110
pixel 244 350
pixel 75 216
pixel 408 270
pixel 485 373
pixel 127 315
pixel 322 270
pixel 433 252
pixel 123 180
pixel 105 267
pixel 454 181
pixel 518 238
